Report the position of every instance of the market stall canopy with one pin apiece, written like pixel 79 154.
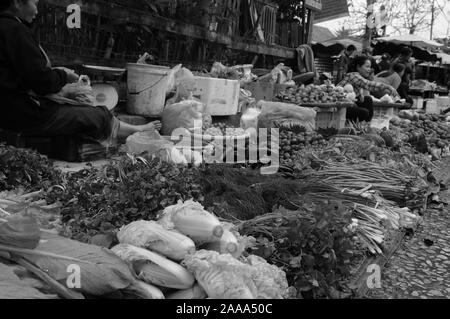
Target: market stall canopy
pixel 411 39
pixel 394 49
pixel 344 42
pixel 334 47
pixel 444 57
pixel 321 34
pixel 332 9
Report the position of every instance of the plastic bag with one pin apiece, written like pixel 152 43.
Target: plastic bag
pixel 247 75
pixel 275 114
pixel 192 157
pixel 273 76
pixel 144 58
pixel 153 144
pixel 150 142
pixel 172 155
pixel 218 70
pixel 387 99
pixel 171 79
pixel 184 81
pixel 250 118
pixel 81 91
pixel 182 115
pixel 246 100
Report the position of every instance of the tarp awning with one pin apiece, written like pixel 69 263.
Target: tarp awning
pixel 344 42
pixel 412 40
pixel 444 57
pixel 394 49
pixel 334 47
pixel 321 34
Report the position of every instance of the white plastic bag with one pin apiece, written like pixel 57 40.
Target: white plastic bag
pixel 150 142
pixel 250 118
pixel 192 157
pixel 171 78
pixel 184 84
pixel 284 114
pixel 80 92
pixel 182 115
pixel 387 99
pixel 154 145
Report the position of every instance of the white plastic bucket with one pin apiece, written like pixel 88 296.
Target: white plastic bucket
pixel 147 86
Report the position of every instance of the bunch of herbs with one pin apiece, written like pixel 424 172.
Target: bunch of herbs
pixel 26 169
pixel 313 246
pixel 99 201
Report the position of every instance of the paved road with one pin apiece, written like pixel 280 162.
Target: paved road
pixel 420 269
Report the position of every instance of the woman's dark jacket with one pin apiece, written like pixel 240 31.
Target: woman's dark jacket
pixel 24 68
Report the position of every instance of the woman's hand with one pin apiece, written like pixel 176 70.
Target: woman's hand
pixel 72 77
pixel 394 92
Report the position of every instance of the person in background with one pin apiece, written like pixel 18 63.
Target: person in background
pixel 26 76
pixel 345 61
pixel 392 78
pixel 403 89
pixel 375 69
pixel 405 58
pixel 359 73
pixel 385 63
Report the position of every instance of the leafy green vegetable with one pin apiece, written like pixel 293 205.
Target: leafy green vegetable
pixel 312 246
pixel 26 169
pixel 100 200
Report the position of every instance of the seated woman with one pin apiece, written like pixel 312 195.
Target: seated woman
pixel 26 75
pixel 359 72
pixel 403 89
pixel 392 78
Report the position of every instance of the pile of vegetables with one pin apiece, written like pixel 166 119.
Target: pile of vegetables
pixel 187 253
pixel 392 184
pixel 294 142
pixel 221 129
pixel 26 169
pixel 313 245
pixel 99 200
pixel 433 128
pixel 314 94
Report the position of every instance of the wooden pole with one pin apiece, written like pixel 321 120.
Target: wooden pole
pixel 368 37
pixel 312 15
pixel 166 50
pixel 304 23
pixel 433 9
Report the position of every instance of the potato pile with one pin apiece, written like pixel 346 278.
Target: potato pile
pixel 314 94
